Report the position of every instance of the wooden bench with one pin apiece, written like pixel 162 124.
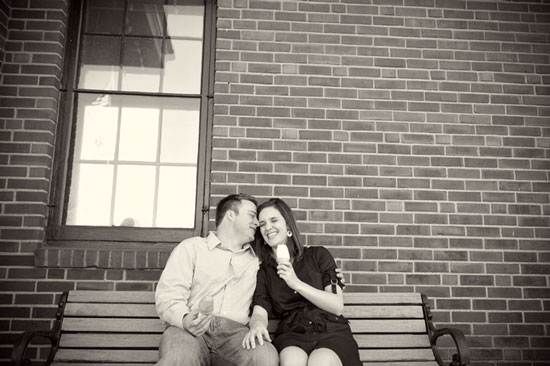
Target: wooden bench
pixel 122 328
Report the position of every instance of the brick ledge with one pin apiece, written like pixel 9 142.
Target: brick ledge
pixel 115 257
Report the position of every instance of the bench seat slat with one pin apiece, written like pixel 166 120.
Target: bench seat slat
pixel 400 363
pixel 411 354
pixel 100 364
pixel 395 363
pixel 109 340
pixel 102 355
pixel 112 325
pixel 392 340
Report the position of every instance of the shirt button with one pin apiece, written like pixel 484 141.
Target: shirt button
pixel 310 322
pixel 295 292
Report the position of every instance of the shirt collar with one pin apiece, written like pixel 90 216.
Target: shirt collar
pixel 213 241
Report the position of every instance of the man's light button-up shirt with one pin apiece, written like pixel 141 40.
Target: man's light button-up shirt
pixel 199 267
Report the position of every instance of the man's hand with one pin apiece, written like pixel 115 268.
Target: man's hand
pixel 340 276
pixel 195 323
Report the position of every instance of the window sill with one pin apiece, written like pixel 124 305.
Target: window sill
pixel 88 254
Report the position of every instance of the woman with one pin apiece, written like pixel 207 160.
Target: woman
pixel 304 293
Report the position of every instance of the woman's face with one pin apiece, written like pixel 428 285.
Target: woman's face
pixel 273 227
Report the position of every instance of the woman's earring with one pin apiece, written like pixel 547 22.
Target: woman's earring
pixel 289 233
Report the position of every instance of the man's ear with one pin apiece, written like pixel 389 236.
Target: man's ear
pixel 230 215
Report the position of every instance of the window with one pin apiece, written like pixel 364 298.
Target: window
pixel 138 98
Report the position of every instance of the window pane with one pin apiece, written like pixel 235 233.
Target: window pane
pixel 99 63
pixel 134 197
pixel 96 128
pixel 145 18
pixel 180 133
pixel 182 55
pixel 177 196
pixel 90 196
pixel 185 19
pixel 104 16
pixel 138 133
pixel 142 64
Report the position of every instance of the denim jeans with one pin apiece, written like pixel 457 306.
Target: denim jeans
pixel 221 345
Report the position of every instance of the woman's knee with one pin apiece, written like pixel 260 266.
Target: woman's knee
pixel 293 356
pixel 323 357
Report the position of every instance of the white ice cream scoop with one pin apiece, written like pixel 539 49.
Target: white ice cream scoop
pixel 282 254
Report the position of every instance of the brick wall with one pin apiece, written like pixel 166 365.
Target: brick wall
pixel 32 37
pixel 411 136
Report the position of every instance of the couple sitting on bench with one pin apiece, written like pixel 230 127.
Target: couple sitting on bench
pixel 208 286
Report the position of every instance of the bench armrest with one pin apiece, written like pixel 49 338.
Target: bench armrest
pixel 22 343
pixel 462 358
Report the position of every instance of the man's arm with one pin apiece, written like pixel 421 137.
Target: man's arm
pixel 174 285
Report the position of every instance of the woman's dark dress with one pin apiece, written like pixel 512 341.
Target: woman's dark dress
pixel 303 324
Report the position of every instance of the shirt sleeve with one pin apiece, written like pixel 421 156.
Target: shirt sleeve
pixel 174 286
pixel 327 265
pixel 261 294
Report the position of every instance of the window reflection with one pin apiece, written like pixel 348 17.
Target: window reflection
pixel 104 16
pixel 98 128
pixel 134 195
pixel 135 161
pixel 159 42
pixel 138 134
pixel 90 196
pixel 100 62
pixel 145 18
pixel 187 55
pixel 141 67
pixel 180 141
pixel 171 209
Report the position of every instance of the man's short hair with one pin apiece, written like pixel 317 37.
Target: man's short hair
pixel 232 202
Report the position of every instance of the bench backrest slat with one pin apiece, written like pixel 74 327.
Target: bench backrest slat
pixel 109 309
pixel 149 311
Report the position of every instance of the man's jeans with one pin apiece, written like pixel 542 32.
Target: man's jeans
pixel 221 345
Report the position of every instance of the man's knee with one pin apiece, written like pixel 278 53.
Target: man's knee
pixel 178 347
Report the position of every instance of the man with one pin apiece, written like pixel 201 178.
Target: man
pixel 221 267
